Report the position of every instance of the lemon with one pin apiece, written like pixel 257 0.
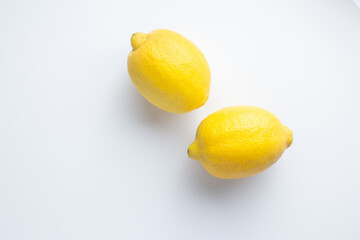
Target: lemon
pixel 169 71
pixel 239 141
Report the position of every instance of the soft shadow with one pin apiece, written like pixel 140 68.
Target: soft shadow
pixel 201 183
pixel 149 112
pixel 176 130
pixel 137 106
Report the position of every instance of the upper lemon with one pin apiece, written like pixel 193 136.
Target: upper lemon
pixel 239 141
pixel 169 71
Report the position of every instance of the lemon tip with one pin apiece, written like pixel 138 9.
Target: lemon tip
pixel 192 151
pixel 288 136
pixel 137 39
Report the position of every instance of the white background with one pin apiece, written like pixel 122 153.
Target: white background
pixel 84 156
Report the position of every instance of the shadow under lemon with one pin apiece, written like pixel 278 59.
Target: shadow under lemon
pixel 148 114
pixel 169 133
pixel 202 183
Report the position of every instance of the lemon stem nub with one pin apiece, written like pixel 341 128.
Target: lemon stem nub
pixel 137 39
pixel 288 136
pixel 193 151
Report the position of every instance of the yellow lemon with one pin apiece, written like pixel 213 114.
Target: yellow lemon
pixel 169 71
pixel 239 141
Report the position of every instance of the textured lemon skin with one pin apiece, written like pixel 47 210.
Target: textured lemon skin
pixel 239 141
pixel 169 71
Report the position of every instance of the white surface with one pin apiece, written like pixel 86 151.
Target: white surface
pixel 357 2
pixel 84 156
